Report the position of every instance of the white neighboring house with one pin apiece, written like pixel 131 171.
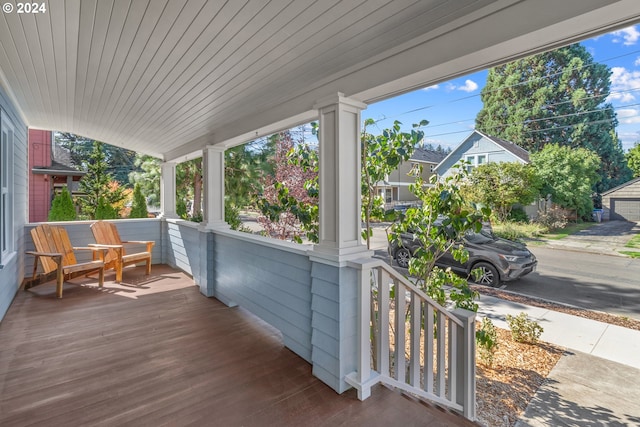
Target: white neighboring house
pixel 479 148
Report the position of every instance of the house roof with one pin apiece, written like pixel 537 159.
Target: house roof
pixel 429 156
pixel 626 184
pixel 57 168
pixel 169 78
pixel 517 151
pixel 514 149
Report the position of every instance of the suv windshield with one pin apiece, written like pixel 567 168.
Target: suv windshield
pixel 483 236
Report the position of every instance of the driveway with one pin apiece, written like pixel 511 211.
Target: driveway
pixel 603 238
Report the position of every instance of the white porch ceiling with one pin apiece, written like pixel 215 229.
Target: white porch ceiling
pixel 167 78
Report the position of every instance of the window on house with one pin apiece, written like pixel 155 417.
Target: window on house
pixel 475 161
pixel 6 183
pixel 432 168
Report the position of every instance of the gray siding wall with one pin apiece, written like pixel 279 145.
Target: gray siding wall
pixel 631 191
pixel 13 268
pixel 474 145
pixel 188 247
pixel 269 278
pixel 80 235
pixel 335 323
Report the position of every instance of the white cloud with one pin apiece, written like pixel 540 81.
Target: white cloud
pixel 628 115
pixel 469 86
pixel 434 87
pixel 628 35
pixel 637 61
pixel 624 84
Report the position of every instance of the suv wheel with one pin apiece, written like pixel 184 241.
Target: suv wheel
pixel 403 256
pixel 489 275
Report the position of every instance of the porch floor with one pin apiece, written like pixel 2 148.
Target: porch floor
pixel 154 351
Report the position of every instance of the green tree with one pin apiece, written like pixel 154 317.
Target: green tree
pixel 139 204
pixel 95 184
pixel 633 159
pixel 568 175
pixel 556 97
pixel 147 175
pixel 62 207
pixel 104 210
pixel 120 161
pixel 381 155
pixel 501 185
pixel 439 225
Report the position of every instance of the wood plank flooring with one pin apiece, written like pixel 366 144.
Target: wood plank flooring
pixel 153 351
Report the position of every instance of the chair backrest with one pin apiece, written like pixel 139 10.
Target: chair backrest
pixel 51 239
pixel 106 233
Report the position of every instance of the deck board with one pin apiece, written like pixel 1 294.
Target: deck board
pixel 154 351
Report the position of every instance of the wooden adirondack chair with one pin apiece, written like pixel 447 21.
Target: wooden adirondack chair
pixel 56 254
pixel 107 236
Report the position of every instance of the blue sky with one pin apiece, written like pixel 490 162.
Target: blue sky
pixel 451 107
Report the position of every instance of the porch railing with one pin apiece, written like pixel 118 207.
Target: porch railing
pixel 408 341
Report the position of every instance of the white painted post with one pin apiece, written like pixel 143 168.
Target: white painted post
pixel 339 178
pixel 168 190
pixel 213 171
pixel 466 363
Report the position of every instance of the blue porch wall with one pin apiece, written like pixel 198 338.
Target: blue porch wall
pixel 271 279
pixel 13 267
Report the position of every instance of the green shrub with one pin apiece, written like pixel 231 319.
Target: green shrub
pixel 518 215
pixel 524 330
pixel 104 210
pixel 62 207
pixel 181 208
pixel 515 231
pixel 487 341
pixel 139 204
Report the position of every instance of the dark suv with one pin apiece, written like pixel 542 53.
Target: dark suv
pixel 500 260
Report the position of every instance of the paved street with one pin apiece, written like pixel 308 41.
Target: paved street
pixel 596 282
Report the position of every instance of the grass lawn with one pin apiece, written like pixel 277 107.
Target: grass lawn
pixel 634 242
pixel 569 229
pixel 632 254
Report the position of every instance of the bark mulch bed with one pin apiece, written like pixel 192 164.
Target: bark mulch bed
pixel 505 388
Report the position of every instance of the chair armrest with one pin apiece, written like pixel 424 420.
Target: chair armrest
pixel 46 254
pixel 103 246
pixel 93 248
pixel 149 243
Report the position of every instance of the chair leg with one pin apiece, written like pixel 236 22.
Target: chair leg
pixel 59 276
pixel 148 266
pixel 101 277
pixel 118 272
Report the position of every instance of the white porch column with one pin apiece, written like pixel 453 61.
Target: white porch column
pixel 213 171
pixel 168 190
pixel 339 177
pixel 334 284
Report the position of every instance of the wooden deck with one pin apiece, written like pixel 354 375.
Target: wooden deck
pixel 153 351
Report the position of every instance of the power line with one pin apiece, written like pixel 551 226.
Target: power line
pixel 519 84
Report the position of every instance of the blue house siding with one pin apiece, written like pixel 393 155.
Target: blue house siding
pixel 476 145
pixel 12 268
pixel 335 321
pixel 269 279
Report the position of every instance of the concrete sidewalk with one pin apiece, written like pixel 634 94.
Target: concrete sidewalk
pixel 595 383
